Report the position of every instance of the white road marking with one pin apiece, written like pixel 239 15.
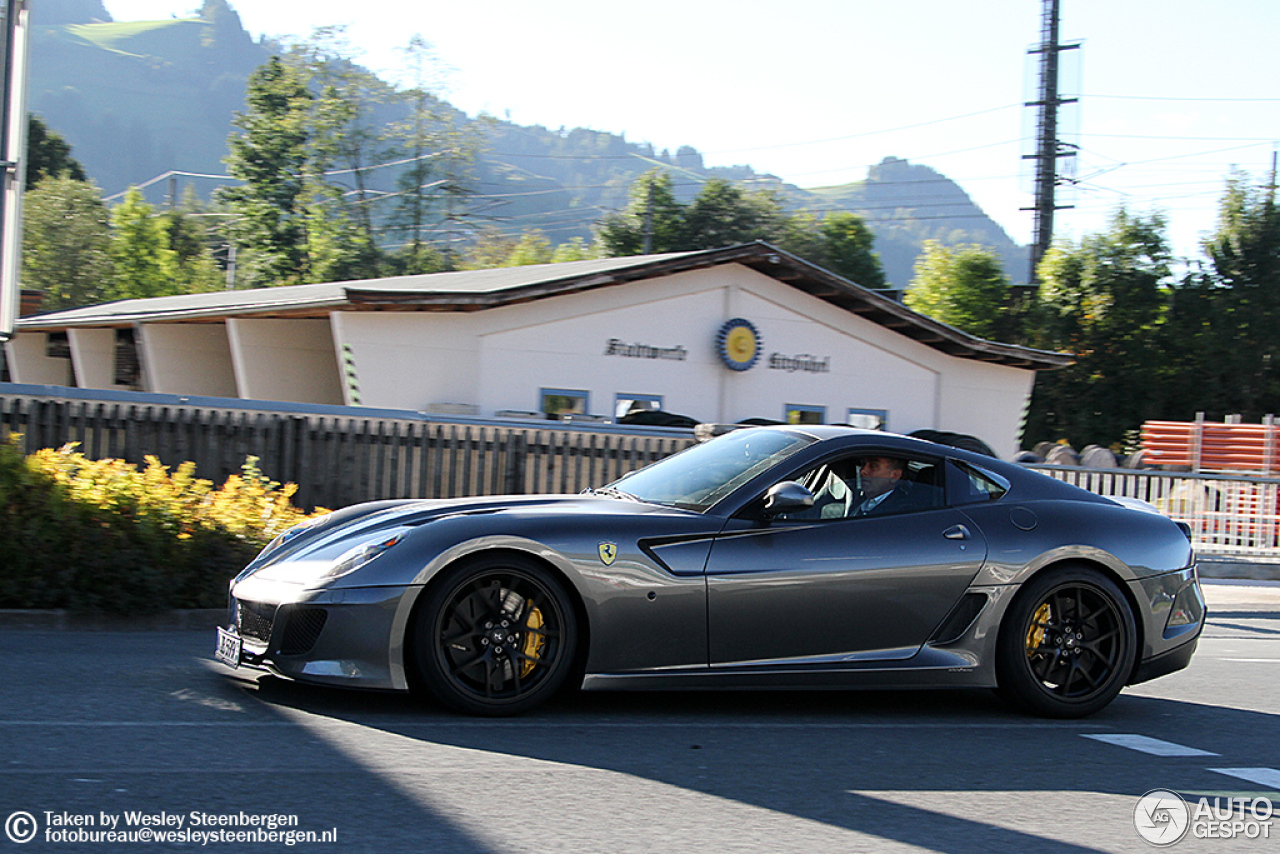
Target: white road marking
pixel 1268 660
pixel 1142 743
pixel 1268 777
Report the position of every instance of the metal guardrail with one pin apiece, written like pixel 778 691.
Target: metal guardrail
pixel 1229 515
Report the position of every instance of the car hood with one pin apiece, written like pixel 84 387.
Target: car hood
pixel 315 548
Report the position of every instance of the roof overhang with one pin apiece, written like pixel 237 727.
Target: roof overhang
pixel 491 289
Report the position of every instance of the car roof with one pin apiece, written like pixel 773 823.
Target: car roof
pixel 1029 484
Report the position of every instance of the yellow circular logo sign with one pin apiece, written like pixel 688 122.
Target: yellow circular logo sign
pixel 738 344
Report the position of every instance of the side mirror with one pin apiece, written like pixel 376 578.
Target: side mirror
pixel 786 497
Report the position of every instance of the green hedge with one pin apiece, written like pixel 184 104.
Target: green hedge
pixel 106 536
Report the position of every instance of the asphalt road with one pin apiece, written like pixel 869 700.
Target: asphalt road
pixel 97 725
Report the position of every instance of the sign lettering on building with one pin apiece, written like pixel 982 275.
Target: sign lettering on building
pixel 806 362
pixel 618 347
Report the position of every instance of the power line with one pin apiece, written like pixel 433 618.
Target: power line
pixel 1171 98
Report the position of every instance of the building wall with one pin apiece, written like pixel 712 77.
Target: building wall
pixel 28 362
pixel 565 343
pixel 93 352
pixel 410 360
pixel 291 360
pixel 187 358
pixel 503 358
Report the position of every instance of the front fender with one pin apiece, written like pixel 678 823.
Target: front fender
pixel 446 558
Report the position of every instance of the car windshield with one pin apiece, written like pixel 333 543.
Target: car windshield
pixel 698 477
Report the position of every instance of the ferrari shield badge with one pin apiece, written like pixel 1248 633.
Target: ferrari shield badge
pixel 608 551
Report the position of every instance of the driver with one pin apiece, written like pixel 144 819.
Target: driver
pixel 883 489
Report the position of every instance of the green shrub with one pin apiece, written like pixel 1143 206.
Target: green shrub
pixel 105 536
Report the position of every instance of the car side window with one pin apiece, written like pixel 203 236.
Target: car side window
pixel 848 487
pixel 973 485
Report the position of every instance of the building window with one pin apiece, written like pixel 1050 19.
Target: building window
pixel 559 402
pixel 869 419
pixel 128 371
pixel 624 403
pixel 800 413
pixel 57 345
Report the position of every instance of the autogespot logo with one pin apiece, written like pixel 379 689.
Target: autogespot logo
pixel 21 827
pixel 1161 817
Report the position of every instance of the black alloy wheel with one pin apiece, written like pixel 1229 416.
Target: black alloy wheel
pixel 495 636
pixel 1067 645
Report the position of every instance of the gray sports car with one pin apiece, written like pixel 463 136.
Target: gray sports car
pixel 775 557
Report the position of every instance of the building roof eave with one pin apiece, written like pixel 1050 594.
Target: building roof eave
pixel 483 289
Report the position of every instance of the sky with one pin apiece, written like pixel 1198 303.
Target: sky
pixel 1173 95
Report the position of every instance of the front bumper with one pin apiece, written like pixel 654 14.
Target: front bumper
pixel 347 637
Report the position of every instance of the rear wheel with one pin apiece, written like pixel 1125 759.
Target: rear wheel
pixel 495 636
pixel 1067 644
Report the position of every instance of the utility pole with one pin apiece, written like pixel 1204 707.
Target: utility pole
pixel 1048 147
pixel 15 19
pixel 647 247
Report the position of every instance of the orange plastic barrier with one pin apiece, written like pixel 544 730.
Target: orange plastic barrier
pixel 1213 446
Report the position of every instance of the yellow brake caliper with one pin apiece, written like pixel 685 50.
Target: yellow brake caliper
pixel 1035 634
pixel 534 641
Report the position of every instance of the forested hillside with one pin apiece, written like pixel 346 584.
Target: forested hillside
pixel 140 99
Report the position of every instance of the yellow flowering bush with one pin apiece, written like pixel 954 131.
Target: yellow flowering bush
pixel 105 535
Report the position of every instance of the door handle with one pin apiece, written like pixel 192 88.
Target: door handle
pixel 956 532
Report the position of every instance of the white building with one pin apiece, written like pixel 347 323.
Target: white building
pixel 719 335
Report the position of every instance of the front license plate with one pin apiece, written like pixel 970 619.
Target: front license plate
pixel 228 650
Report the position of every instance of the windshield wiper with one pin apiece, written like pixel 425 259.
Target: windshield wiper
pixel 614 492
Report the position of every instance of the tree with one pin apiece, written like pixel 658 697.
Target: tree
pixel 652 218
pixel 491 248
pixel 1104 301
pixel 195 268
pixel 419 140
pixel 48 154
pixel 1239 306
pixel 533 247
pixel 436 195
pixel 962 286
pixel 345 142
pixel 724 215
pixel 66 245
pixel 848 244
pixel 144 264
pixel 840 242
pixel 575 250
pixel 270 157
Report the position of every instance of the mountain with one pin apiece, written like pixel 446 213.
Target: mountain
pixel 139 99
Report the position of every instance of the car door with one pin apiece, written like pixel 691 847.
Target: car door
pixel 838 589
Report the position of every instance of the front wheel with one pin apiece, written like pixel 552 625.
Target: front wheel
pixel 1067 644
pixel 495 636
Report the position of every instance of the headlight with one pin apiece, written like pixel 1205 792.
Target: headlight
pixel 360 555
pixel 293 533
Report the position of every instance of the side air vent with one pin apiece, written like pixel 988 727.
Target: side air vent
pixel 960 619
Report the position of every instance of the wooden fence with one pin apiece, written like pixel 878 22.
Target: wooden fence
pixel 338 460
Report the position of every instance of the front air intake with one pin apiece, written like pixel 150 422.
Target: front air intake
pixel 302 630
